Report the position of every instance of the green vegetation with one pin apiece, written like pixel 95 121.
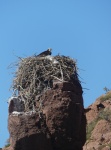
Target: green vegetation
pixel 105 114
pixel 101 147
pixel 90 128
pixel 107 96
pixel 109 145
pixel 104 145
pixel 106 89
pixel 7 143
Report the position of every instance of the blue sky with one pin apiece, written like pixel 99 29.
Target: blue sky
pixel 80 29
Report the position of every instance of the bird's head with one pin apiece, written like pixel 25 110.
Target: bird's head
pixel 49 49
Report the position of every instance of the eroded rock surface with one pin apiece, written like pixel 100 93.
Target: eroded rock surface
pixel 99 124
pixel 60 125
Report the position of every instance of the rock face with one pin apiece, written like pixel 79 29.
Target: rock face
pixel 99 124
pixel 61 125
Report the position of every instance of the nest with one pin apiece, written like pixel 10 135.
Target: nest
pixel 36 74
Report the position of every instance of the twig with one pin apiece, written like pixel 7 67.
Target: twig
pixel 57 78
pixel 61 72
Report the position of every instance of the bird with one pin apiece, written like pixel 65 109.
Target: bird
pixel 45 53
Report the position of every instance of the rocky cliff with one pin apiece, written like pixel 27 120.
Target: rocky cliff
pixel 99 124
pixel 48 112
pixel 60 127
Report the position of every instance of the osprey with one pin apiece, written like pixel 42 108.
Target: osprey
pixel 45 53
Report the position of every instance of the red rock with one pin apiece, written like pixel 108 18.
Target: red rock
pixel 61 124
pixel 100 138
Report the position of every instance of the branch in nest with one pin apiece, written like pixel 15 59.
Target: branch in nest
pixel 57 78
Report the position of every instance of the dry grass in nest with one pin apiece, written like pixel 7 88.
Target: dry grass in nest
pixel 37 74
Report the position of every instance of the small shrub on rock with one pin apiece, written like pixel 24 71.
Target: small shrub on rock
pixel 105 114
pixel 105 97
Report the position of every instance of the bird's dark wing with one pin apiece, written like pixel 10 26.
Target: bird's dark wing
pixel 45 53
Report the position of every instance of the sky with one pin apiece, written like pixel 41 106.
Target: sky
pixel 80 29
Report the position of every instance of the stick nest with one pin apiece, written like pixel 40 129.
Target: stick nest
pixel 36 74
